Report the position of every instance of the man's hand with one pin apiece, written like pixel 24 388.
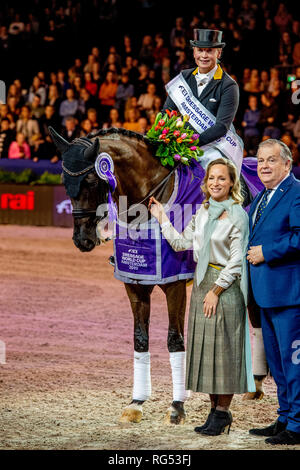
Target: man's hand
pixel 255 255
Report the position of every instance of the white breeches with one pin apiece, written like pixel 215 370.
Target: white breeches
pixel 259 357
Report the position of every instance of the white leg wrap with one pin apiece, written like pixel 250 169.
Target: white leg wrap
pixel 177 360
pixel 259 356
pixel 142 376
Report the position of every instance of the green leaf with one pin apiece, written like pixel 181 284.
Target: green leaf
pixel 170 161
pixel 158 117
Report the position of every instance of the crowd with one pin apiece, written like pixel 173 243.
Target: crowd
pixel 119 80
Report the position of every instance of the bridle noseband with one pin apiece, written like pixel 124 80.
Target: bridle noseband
pixel 81 213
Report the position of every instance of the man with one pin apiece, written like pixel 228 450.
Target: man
pixel 211 86
pixel 274 265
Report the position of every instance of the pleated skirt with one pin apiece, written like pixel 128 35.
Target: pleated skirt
pixel 216 345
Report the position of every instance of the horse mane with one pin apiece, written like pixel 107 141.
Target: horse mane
pixel 120 131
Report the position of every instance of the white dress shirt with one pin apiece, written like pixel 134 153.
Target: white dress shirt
pixel 225 244
pixel 269 197
pixel 202 79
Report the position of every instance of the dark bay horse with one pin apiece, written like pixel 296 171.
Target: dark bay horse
pixel 137 175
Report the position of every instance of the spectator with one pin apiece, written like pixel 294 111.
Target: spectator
pixel 113 119
pixel 37 110
pixel 76 68
pixel 251 131
pixel 48 119
pixel 131 120
pixel 160 51
pixel 283 18
pixel 69 106
pixel 86 101
pixel 43 147
pixel 53 98
pixel 89 65
pixel 89 84
pixel 268 121
pixel 131 69
pixel 127 47
pixel 27 126
pixel 146 100
pixel 143 80
pixel 62 84
pixel 285 49
pixel 289 124
pixel 19 148
pixel 296 131
pixel 264 81
pixel 70 130
pixel 86 128
pixel 92 116
pixel 107 94
pixel 181 62
pixel 146 52
pixel 177 36
pixel 132 103
pixel 13 108
pixel 6 137
pixel 76 85
pixel 288 140
pixel 143 125
pixel 124 91
pixel 296 53
pixel 37 87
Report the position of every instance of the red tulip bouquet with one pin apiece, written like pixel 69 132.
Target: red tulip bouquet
pixel 176 141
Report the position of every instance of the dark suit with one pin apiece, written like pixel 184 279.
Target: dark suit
pixel 220 97
pixel 276 289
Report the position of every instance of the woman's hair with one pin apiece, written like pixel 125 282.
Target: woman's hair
pixel 235 190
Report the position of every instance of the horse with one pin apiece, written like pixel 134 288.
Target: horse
pixel 138 175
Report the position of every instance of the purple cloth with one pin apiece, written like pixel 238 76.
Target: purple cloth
pixel 145 256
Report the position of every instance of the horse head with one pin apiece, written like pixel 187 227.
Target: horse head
pixel 85 189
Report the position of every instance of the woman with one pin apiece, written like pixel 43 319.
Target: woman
pixel 107 94
pixel 19 148
pixel 218 345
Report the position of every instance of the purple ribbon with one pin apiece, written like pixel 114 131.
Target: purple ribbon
pixel 104 167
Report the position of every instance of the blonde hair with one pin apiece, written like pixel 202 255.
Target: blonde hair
pixel 235 190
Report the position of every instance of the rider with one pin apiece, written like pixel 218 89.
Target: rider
pixel 211 86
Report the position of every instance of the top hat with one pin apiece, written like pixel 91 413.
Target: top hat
pixel 207 38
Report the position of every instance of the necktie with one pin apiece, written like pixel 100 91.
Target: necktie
pixel 263 204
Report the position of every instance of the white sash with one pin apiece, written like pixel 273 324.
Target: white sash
pixel 201 119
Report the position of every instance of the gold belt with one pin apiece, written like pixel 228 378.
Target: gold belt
pixel 214 266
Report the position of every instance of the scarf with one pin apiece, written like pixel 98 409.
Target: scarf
pixel 239 218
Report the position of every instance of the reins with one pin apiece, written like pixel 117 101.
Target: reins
pixel 81 213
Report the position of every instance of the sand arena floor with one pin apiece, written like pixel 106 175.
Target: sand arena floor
pixel 68 331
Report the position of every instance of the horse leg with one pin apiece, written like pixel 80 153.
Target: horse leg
pixel 139 296
pixel 176 301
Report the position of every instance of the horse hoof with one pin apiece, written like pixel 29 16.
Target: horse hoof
pixel 132 414
pixel 175 416
pixel 258 395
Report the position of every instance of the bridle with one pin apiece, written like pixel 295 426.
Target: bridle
pixel 81 213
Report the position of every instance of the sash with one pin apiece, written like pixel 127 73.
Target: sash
pixel 201 119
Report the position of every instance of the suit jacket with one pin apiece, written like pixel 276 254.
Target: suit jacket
pixel 276 281
pixel 220 97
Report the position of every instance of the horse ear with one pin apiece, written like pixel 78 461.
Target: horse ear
pixel 91 152
pixel 61 144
